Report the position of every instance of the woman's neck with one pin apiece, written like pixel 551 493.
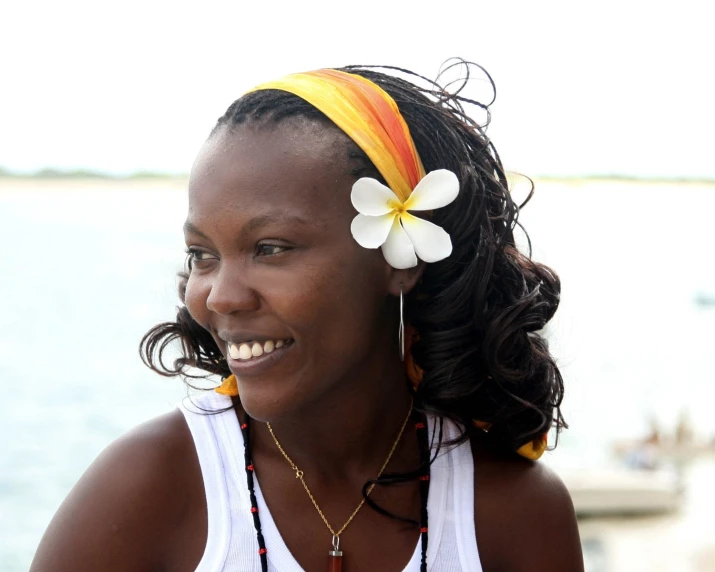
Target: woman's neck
pixel 349 432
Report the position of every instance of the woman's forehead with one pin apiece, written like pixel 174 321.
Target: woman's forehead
pixel 292 168
pixel 295 139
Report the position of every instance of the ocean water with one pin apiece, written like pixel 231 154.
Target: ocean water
pixel 87 268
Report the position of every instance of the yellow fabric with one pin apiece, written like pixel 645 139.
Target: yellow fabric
pixel 533 449
pixel 229 386
pixel 368 115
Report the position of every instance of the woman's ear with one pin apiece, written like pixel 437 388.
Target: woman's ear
pixel 405 279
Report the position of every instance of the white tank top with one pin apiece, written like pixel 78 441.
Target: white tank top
pixel 232 545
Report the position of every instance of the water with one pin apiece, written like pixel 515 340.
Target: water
pixel 87 268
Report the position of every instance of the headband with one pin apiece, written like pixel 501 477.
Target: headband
pixel 368 115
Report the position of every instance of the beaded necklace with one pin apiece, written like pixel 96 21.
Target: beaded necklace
pixel 423 476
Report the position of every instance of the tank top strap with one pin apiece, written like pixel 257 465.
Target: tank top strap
pixel 460 533
pixel 231 543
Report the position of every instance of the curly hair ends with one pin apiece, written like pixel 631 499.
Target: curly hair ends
pixel 198 349
pixel 479 312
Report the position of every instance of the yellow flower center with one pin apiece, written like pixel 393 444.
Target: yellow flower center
pixel 397 207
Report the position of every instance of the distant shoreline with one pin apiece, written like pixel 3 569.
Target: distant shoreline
pixel 51 185
pixel 625 179
pixel 52 175
pixel 86 179
pixel 55 174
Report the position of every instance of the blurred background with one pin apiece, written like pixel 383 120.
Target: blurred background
pixel 607 105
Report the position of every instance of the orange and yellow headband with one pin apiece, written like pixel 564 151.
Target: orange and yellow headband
pixel 368 115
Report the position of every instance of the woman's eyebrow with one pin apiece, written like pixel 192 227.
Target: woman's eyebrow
pixel 265 220
pixel 254 224
pixel 189 228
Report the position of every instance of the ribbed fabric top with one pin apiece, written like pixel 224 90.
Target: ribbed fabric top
pixel 232 545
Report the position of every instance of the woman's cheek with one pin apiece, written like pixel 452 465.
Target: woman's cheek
pixel 197 292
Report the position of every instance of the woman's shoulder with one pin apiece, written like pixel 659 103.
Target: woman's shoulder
pixel 524 516
pixel 139 503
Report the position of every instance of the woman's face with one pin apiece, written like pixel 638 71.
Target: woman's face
pixel 276 270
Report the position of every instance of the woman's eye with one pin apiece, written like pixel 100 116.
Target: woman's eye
pixel 269 249
pixel 198 255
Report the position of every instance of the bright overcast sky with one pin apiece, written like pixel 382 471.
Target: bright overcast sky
pixel 583 87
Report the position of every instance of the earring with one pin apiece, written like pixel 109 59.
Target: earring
pixel 401 332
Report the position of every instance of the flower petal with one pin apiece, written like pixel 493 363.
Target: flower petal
pixel 398 249
pixel 431 242
pixel 371 231
pixel 370 197
pixel 437 189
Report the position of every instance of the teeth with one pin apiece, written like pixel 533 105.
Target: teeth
pixel 233 351
pixel 247 350
pixel 244 351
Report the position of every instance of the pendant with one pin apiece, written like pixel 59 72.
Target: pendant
pixel 335 556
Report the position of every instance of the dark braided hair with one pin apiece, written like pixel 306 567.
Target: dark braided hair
pixel 479 313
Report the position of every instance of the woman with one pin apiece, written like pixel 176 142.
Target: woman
pixel 383 376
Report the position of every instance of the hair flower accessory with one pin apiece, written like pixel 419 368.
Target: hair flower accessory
pixel 384 220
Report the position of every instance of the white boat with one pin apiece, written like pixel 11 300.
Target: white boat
pixel 705 299
pixel 604 492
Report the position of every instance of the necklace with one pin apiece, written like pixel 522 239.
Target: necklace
pixel 335 555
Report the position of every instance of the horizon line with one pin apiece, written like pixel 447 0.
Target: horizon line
pixel 51 173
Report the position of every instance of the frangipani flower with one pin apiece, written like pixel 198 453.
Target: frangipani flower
pixel 384 219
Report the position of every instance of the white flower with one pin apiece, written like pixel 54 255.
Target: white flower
pixel 384 219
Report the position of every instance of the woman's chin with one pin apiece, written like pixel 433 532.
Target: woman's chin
pixel 270 399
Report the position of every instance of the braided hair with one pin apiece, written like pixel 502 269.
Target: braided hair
pixel 479 313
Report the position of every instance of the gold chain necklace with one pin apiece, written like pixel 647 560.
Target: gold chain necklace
pixel 336 554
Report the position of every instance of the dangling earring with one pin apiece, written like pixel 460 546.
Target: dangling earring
pixel 401 332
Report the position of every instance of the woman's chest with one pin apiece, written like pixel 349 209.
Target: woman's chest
pixel 297 536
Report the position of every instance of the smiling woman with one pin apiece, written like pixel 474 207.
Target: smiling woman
pixel 353 279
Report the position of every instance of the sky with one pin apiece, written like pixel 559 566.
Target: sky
pixel 583 88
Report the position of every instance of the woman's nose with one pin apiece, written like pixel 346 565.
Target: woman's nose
pixel 230 293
